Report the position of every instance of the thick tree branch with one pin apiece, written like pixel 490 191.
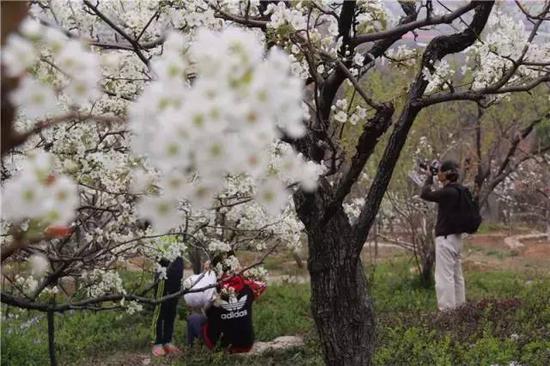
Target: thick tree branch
pixel 345 21
pixel 479 95
pixel 407 27
pixel 373 129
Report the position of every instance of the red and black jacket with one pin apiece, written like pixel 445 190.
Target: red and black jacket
pixel 229 324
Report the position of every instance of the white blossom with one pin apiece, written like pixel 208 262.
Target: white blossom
pixel 103 282
pixel 17 55
pixel 39 265
pixel 35 99
pixel 341 117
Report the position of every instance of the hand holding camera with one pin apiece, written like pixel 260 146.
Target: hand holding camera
pixel 429 167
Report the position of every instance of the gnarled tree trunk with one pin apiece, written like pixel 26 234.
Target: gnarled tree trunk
pixel 340 303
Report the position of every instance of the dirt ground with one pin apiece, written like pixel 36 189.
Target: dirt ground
pixel 482 252
pixel 490 252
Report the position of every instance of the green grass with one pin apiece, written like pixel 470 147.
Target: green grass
pixel 283 310
pixel 487 228
pixel 507 319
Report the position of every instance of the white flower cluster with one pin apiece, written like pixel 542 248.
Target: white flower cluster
pixel 51 290
pixel 358 59
pixel 102 282
pixel 79 66
pixel 223 123
pixel 293 167
pixel 343 113
pixel 258 273
pixel 289 229
pixel 218 246
pixel 25 285
pixel 229 265
pixel 502 41
pixel 402 56
pixel 132 307
pixel 299 66
pixel 282 16
pixel 353 209
pixel 167 247
pixel 440 78
pixel 372 16
pixel 511 363
pixel 423 150
pixel 37 193
pixel 39 265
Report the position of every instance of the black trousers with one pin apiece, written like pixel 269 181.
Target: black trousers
pixel 165 313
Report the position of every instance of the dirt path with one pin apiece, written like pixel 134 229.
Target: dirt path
pixel 146 359
pixel 526 252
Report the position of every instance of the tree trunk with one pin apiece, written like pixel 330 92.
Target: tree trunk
pixel 297 259
pixel 51 338
pixel 426 275
pixel 340 304
pixel 196 258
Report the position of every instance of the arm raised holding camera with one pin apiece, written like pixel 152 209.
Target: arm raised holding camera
pixel 443 174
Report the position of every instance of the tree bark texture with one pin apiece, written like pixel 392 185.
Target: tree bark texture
pixel 340 303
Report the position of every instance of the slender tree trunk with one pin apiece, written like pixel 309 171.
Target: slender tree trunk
pixel 51 338
pixel 426 276
pixel 298 259
pixel 196 259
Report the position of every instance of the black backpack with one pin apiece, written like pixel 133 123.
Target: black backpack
pixel 467 217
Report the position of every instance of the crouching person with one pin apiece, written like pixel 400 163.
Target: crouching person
pixel 226 320
pixel 229 319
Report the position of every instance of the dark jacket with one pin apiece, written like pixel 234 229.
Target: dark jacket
pixel 230 323
pixel 447 199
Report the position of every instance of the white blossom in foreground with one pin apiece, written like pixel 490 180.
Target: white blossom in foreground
pixel 80 69
pixel 37 193
pixel 224 122
pixel 34 99
pixel 18 55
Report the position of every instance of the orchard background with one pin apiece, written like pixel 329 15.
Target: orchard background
pixel 284 131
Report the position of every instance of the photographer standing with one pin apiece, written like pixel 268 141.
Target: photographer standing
pixel 449 282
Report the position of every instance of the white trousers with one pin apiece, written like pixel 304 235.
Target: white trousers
pixel 449 282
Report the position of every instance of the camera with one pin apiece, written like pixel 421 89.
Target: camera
pixel 432 167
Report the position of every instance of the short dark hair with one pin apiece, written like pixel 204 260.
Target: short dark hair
pixel 450 168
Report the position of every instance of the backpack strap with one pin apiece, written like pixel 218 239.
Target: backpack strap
pixel 457 188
